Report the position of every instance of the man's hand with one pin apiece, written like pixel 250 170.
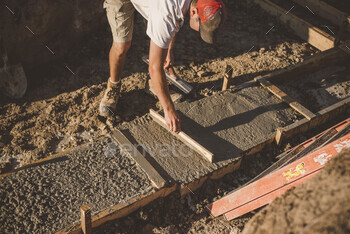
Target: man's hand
pixel 169 60
pixel 157 57
pixel 172 120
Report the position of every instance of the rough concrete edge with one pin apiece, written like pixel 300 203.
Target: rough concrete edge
pixel 40 161
pixel 121 210
pixel 48 158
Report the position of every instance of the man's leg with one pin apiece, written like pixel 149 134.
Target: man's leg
pixel 117 56
pixel 120 14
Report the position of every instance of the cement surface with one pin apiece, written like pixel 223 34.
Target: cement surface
pixel 46 198
pixel 227 124
pixel 320 89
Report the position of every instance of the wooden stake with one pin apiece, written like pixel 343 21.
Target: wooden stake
pixel 187 140
pixel 279 134
pixel 86 219
pixel 284 97
pixel 227 77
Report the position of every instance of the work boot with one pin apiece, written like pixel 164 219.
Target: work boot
pixel 108 105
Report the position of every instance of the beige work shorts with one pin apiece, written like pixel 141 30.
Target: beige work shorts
pixel 120 14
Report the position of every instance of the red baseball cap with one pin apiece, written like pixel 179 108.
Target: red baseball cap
pixel 212 14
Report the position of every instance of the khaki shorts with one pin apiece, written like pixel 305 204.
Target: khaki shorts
pixel 120 14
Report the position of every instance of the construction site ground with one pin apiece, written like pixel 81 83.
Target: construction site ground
pixel 60 109
pixel 188 215
pixel 60 112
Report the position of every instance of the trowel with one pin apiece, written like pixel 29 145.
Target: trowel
pixel 173 78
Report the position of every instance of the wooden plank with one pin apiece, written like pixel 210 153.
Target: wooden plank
pixel 304 148
pixel 227 77
pixel 266 198
pixel 326 11
pixel 151 172
pixel 281 177
pixel 86 219
pixel 39 162
pixel 284 97
pixel 187 140
pixel 121 210
pixel 308 145
pixel 306 31
pixel 311 64
pixel 321 117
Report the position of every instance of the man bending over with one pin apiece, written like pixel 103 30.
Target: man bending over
pixel 164 20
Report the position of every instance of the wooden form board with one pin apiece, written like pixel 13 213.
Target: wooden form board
pixel 321 117
pixel 39 162
pixel 120 210
pixel 326 11
pixel 284 97
pixel 86 219
pixel 314 63
pixel 306 31
pixel 306 147
pixel 293 73
pixel 186 139
pixel 156 179
pixel 247 198
pixel 265 199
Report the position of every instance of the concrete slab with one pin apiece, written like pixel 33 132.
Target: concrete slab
pixel 227 124
pixel 47 197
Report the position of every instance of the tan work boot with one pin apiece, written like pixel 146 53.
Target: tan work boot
pixel 108 105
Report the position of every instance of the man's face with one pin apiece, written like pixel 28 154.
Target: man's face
pixel 194 18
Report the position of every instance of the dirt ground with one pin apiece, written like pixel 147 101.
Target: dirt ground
pixel 321 205
pixel 59 110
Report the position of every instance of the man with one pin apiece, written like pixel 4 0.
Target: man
pixel 164 19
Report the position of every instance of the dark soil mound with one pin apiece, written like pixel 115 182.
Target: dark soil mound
pixel 321 205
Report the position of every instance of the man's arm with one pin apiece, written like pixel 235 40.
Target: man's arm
pixel 169 61
pixel 157 57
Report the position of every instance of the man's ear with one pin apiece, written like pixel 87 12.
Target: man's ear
pixel 194 10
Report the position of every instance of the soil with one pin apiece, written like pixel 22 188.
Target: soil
pixel 320 89
pixel 227 124
pixel 47 197
pixel 59 110
pixel 308 14
pixel 320 205
pixel 342 5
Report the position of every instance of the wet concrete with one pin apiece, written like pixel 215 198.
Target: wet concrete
pixel 46 198
pixel 226 124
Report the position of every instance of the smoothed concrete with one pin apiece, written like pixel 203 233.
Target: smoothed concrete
pixel 226 124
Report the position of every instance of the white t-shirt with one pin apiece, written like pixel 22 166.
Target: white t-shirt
pixel 165 18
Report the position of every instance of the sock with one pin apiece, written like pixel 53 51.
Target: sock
pixel 113 81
